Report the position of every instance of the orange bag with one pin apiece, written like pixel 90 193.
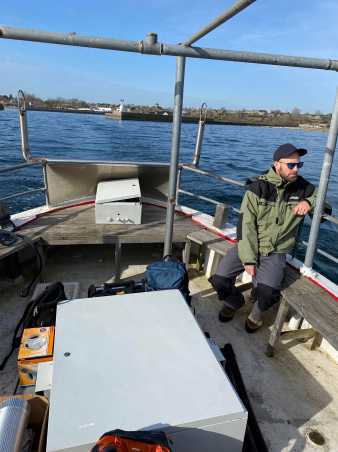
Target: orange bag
pixel 138 441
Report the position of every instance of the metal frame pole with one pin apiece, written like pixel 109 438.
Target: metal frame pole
pixel 227 180
pixel 323 184
pixel 149 47
pixel 175 147
pixel 200 135
pixel 228 14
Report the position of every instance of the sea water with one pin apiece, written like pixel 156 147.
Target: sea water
pixel 238 152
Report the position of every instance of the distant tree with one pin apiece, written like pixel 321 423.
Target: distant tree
pixel 296 111
pixel 318 112
pixel 276 112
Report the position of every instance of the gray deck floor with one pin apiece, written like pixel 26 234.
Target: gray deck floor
pixel 292 393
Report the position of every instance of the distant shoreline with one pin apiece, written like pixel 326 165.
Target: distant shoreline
pixel 156 117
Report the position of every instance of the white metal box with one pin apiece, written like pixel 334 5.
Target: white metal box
pixel 136 362
pixel 118 202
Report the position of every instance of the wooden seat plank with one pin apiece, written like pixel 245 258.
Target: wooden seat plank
pixel 313 303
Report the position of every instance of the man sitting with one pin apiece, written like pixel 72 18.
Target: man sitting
pixel 271 212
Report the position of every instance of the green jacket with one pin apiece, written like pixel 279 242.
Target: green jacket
pixel 267 223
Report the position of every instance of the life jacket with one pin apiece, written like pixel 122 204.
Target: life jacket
pixel 137 441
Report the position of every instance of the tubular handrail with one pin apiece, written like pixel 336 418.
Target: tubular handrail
pixel 228 14
pixel 155 48
pixel 21 166
pixel 200 134
pixel 7 169
pixel 227 180
pixel 203 198
pixel 26 153
pixel 322 252
pixel 213 201
pixel 323 185
pixel 331 218
pixel 24 193
pixel 21 101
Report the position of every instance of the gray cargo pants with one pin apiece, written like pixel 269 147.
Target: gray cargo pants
pixel 269 276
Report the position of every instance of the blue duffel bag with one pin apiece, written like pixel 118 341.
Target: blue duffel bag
pixel 168 273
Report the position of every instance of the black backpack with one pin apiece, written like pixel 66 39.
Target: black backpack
pixel 41 311
pixel 168 273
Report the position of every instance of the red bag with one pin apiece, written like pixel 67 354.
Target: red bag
pixel 138 441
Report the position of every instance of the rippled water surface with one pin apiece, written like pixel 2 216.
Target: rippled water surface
pixel 233 151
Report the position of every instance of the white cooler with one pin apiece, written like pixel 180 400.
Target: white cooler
pixel 138 362
pixel 118 202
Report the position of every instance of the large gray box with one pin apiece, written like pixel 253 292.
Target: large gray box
pixel 136 362
pixel 118 202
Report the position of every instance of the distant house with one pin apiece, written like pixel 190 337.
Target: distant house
pixel 103 109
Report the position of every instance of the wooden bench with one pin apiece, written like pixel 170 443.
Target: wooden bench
pixel 313 304
pixel 205 241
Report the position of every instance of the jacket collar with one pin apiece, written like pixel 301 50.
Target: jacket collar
pixel 273 177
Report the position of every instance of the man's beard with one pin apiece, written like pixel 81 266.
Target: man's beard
pixel 291 178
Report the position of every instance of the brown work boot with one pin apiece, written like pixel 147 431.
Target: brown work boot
pixel 226 314
pixel 252 325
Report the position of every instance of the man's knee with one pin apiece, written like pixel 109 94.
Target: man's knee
pixel 223 286
pixel 266 296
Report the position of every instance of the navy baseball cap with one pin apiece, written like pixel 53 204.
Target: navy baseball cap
pixel 285 150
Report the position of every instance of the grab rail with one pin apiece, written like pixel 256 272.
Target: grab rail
pixel 24 193
pixel 227 180
pixel 302 242
pixel 18 167
pixel 26 153
pixel 7 169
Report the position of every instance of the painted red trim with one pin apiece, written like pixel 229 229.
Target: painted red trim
pixel 319 284
pixel 57 209
pixel 223 236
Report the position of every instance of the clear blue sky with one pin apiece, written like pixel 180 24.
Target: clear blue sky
pixel 291 27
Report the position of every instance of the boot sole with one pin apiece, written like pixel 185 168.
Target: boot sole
pixel 223 319
pixel 250 330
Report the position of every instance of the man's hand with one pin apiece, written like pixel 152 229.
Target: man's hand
pixel 251 269
pixel 302 208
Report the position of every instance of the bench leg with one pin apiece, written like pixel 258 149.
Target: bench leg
pixel 118 246
pixel 200 258
pixel 211 263
pixel 317 340
pixel 42 248
pixel 186 253
pixel 277 328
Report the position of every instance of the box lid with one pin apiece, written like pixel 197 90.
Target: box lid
pixel 117 190
pixel 141 361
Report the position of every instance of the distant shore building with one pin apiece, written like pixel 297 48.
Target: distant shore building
pixel 103 109
pixel 121 108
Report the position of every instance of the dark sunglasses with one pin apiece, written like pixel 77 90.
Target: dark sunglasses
pixel 292 165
